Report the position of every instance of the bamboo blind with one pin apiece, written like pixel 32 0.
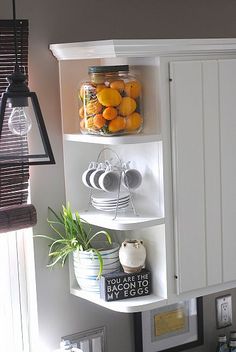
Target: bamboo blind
pixel 14 212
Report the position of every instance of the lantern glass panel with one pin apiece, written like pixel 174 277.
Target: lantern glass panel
pixel 23 134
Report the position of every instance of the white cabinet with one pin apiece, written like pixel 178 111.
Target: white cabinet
pixel 203 103
pixel 186 203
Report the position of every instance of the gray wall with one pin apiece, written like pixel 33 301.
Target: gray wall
pixel 55 21
pixel 210 330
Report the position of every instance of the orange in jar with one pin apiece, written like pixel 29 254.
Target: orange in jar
pixel 82 124
pixel 133 122
pixel 82 92
pixel 109 113
pixel 118 85
pixel 133 89
pixel 100 87
pixel 85 90
pixel 117 124
pixel 127 106
pixel 81 112
pixel 109 97
pixel 93 107
pixel 99 121
pixel 89 123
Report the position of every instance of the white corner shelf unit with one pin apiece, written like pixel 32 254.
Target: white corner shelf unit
pixel 188 97
pixel 115 140
pixel 129 305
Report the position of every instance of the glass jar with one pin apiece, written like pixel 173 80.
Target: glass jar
pixel 222 344
pixel 111 102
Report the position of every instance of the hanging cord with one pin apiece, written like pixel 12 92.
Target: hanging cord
pixel 23 140
pixel 15 33
pixel 18 47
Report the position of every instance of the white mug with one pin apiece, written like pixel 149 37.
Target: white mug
pixel 94 176
pixel 109 181
pixel 86 175
pixel 132 178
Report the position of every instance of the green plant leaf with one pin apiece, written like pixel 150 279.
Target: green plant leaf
pixel 55 261
pixel 45 236
pixel 71 234
pixel 81 230
pixel 56 230
pixel 55 214
pixel 100 233
pixel 59 242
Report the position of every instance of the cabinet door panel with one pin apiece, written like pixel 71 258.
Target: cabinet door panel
pixel 212 172
pixel 187 126
pixel 196 173
pixel 227 74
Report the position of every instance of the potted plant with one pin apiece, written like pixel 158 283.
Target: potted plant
pixel 74 236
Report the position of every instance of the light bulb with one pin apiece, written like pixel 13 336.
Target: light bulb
pixel 19 122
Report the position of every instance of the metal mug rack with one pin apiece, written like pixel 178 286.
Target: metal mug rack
pixel 119 167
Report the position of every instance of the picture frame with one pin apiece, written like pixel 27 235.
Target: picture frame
pixel 171 328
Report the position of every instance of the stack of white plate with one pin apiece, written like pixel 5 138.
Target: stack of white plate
pixel 109 202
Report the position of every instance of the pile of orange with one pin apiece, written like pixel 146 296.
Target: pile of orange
pixel 111 108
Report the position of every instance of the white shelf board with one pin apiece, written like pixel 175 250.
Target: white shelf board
pixel 124 221
pixel 129 305
pixel 114 140
pixel 141 48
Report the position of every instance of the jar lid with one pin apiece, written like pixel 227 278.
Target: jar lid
pixel 222 338
pixel 232 343
pixel 105 69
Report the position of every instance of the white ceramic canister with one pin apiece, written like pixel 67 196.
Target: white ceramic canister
pixel 132 255
pixel 86 265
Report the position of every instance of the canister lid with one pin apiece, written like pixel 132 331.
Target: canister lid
pixel 233 334
pixel 222 338
pixel 105 69
pixel 232 343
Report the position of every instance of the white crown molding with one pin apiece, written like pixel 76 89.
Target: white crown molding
pixel 142 48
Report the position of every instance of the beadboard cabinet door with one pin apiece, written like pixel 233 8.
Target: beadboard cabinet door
pixel 203 125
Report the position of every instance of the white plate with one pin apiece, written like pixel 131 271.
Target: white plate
pixel 111 203
pixel 110 197
pixel 111 208
pixel 120 201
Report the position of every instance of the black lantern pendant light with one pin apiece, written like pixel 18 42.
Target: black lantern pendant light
pixel 21 121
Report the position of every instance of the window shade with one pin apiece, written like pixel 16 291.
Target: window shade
pixel 17 217
pixel 13 179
